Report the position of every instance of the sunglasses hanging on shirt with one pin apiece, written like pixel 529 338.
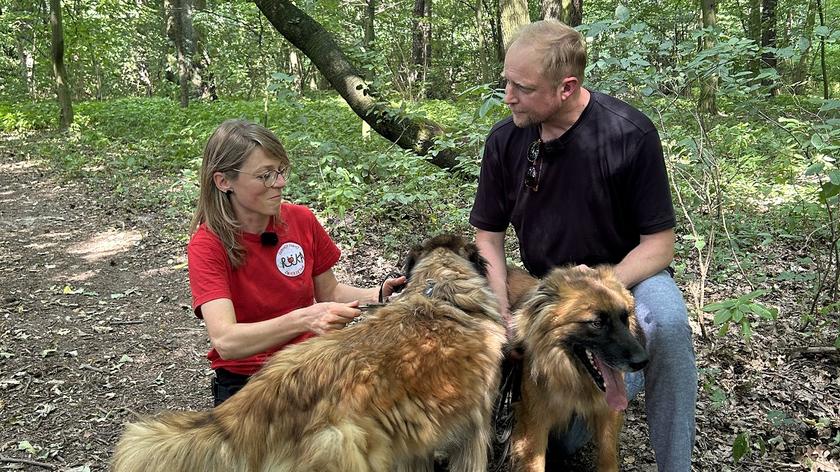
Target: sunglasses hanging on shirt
pixel 532 173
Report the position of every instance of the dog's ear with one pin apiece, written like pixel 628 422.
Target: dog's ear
pixel 536 300
pixel 475 259
pixel 411 261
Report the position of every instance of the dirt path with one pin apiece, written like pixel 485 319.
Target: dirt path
pixel 95 325
pixel 95 320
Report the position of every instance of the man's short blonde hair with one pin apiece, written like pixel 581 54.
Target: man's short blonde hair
pixel 562 47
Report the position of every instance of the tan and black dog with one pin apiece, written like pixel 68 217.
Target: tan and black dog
pixel 417 375
pixel 579 335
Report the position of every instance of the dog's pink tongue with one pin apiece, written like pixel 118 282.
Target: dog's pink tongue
pixel 614 384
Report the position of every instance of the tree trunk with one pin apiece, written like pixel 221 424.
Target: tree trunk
pixel 768 37
pixel 319 46
pixel 25 43
pixel 567 11
pixel 145 78
pixel 800 71
pixel 494 17
pixel 822 51
pixel 179 31
pixel 200 65
pixel 513 14
pixel 60 72
pixel 421 45
pixel 754 30
pixel 708 86
pixel 484 58
pixel 369 15
pixel 368 41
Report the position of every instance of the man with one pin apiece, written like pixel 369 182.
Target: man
pixel 581 177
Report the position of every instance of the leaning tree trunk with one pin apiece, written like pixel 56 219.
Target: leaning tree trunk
pixel 567 11
pixel 60 72
pixel 513 14
pixel 708 85
pixel 318 45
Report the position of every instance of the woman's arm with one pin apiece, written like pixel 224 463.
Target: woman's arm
pixel 234 340
pixel 337 305
pixel 327 288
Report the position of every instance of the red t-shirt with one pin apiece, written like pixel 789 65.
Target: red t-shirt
pixel 273 280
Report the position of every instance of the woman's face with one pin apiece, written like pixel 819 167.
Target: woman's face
pixel 253 202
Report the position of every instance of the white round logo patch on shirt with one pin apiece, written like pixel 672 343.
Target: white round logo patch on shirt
pixel 290 260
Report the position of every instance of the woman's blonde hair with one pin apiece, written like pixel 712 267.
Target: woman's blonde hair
pixel 227 149
pixel 563 48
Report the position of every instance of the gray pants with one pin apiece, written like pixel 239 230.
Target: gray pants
pixel 669 380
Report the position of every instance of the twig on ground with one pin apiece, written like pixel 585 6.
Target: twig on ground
pixel 95 369
pixel 801 385
pixel 15 460
pixel 814 351
pixel 126 322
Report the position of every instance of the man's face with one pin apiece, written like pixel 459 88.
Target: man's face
pixel 531 97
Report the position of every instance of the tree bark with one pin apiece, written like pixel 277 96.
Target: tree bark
pixel 200 62
pixel 768 36
pixel 318 45
pixel 484 64
pixel 754 30
pixel 179 31
pixel 800 71
pixel 567 11
pixel 822 52
pixel 60 72
pixel 708 86
pixel 421 45
pixel 369 16
pixel 25 45
pixel 513 14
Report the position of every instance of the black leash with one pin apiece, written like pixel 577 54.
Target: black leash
pixel 504 418
pixel 398 288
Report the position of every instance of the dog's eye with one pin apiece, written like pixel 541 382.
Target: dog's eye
pixel 596 324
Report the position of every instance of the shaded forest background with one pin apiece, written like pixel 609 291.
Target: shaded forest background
pixel 384 105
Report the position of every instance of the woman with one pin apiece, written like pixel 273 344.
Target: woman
pixel 260 269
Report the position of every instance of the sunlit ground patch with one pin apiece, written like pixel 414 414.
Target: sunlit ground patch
pixel 106 244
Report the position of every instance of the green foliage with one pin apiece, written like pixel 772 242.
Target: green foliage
pixel 738 311
pixel 469 121
pixel 746 443
pixel 762 171
pixel 716 395
pixel 152 148
pixel 740 446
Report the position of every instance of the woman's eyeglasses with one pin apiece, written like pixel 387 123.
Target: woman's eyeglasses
pixel 268 178
pixel 532 173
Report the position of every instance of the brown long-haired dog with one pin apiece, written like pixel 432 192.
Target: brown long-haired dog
pixel 417 375
pixel 579 335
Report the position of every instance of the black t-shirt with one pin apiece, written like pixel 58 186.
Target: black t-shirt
pixel 601 185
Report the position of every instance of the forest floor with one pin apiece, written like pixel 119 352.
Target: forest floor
pixel 96 327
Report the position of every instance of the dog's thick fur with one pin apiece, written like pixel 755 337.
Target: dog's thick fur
pixel 417 375
pixel 574 326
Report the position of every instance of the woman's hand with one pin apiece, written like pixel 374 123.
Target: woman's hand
pixel 321 318
pixel 389 286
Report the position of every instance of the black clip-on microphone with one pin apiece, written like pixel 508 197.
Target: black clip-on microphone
pixel 268 238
